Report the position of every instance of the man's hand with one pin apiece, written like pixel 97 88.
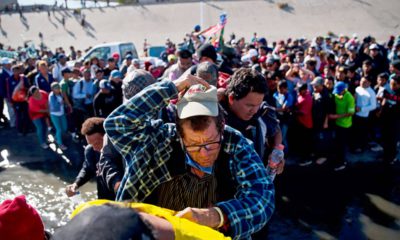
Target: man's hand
pixel 71 189
pixel 188 80
pixel 204 216
pixel 116 186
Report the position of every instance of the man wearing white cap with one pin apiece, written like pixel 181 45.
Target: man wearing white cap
pixel 6 74
pixel 198 166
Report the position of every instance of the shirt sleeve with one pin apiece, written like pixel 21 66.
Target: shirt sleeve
pixel 88 170
pixel 110 164
pixel 143 141
pixel 253 204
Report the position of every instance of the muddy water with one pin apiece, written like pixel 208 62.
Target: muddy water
pixel 44 191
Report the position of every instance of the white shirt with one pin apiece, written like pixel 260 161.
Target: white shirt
pixel 365 100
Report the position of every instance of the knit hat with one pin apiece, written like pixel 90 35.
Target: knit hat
pixel 135 82
pixel 19 220
pixel 198 101
pixel 207 50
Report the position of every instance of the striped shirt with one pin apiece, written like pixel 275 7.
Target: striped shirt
pixel 146 145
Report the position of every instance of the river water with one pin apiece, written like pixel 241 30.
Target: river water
pixel 44 191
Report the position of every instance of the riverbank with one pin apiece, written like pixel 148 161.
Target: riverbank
pixel 156 22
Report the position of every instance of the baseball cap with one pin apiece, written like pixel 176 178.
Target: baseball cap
pixel 19 220
pixel 55 85
pixel 262 59
pixel 5 60
pixel 66 70
pixel 105 84
pixel 263 41
pixel 373 46
pixel 339 87
pixel 115 74
pixel 61 56
pixel 207 50
pixel 115 56
pixel 198 101
pixel 129 56
pixel 318 81
pixel 252 53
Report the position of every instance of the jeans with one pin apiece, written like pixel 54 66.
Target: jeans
pixel 22 117
pixel 60 124
pixel 41 129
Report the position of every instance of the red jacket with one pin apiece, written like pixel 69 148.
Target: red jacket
pixel 36 105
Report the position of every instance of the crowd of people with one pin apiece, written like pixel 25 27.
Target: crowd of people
pixel 313 100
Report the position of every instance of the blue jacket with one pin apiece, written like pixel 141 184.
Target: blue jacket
pixel 42 83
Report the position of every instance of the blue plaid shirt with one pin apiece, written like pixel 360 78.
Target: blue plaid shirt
pixel 145 144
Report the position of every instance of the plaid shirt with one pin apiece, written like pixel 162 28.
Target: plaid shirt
pixel 145 144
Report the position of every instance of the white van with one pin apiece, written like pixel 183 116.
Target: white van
pixel 106 50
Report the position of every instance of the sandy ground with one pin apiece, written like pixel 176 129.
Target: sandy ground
pixel 156 22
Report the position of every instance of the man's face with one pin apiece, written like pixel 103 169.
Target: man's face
pixel 111 64
pixel 328 84
pixel 392 69
pixel 96 140
pixel 43 68
pixel 364 83
pixel 394 85
pixel 366 67
pixel 311 51
pixel 318 88
pixel 16 72
pixel 340 75
pixel 184 63
pixel 381 81
pixel 373 52
pixel 246 107
pixel 86 75
pixel 204 157
pixel 99 75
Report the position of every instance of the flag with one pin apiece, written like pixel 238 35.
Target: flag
pixel 214 34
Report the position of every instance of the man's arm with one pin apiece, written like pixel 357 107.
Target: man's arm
pixel 253 204
pixel 110 165
pixel 87 172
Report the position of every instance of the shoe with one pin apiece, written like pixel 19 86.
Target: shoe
pixel 340 167
pixel 393 161
pixel 321 160
pixel 63 147
pixel 44 146
pixel 377 148
pixel 305 163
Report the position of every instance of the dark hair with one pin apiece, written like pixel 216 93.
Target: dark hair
pixel 244 81
pixel 93 125
pixel 200 123
pixel 396 79
pixel 32 90
pixel 367 62
pixel 282 84
pixel 383 75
